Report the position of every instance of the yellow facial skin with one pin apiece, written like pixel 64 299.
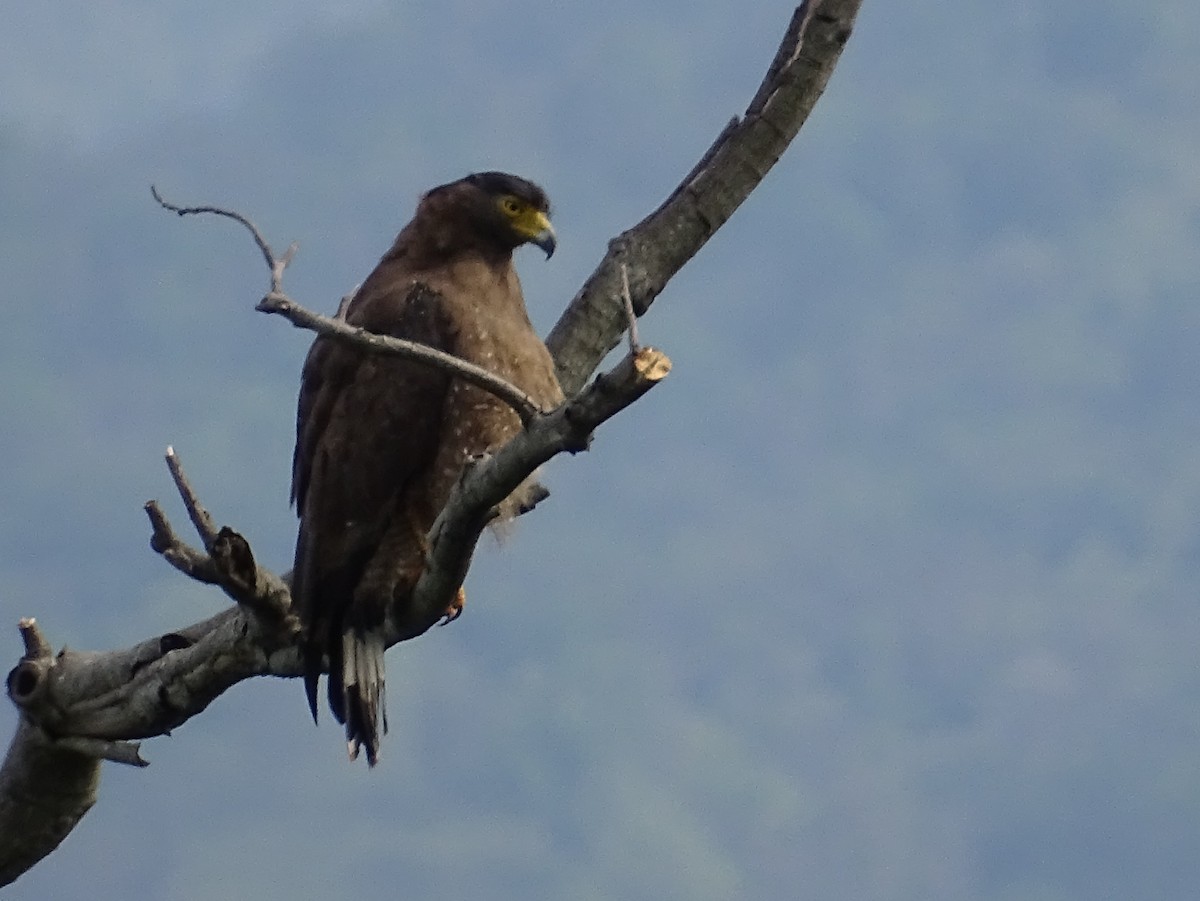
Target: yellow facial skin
pixel 530 223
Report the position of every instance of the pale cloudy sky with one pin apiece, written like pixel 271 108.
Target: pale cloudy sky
pixel 888 593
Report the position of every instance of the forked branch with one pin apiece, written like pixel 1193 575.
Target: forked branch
pixel 99 703
pixel 277 301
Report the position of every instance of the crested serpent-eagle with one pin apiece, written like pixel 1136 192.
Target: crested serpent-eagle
pixel 381 440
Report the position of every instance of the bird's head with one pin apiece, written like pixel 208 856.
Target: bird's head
pixel 508 209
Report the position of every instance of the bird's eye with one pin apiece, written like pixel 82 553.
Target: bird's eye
pixel 510 205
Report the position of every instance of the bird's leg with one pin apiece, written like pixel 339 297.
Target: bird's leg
pixel 455 608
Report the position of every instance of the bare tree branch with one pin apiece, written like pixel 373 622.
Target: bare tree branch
pixel 470 507
pixel 523 405
pixel 126 752
pixel 658 246
pixel 185 558
pixel 44 793
pixel 267 596
pixel 36 646
pixel 79 708
pixel 162 682
pixel 274 263
pixel 277 301
pixel 228 563
pixel 201 519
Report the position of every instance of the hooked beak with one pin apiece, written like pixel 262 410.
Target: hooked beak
pixel 541 233
pixel 546 240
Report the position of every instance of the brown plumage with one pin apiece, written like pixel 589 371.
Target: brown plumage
pixel 380 441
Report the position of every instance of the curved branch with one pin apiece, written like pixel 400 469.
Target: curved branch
pixel 275 263
pixel 277 301
pixel 78 708
pixel 658 246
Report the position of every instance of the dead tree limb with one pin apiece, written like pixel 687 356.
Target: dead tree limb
pixel 522 404
pixel 79 708
pixel 657 247
pixel 276 301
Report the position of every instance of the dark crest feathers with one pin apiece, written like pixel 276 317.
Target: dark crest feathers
pixel 499 183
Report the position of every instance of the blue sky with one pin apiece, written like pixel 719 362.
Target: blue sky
pixel 889 592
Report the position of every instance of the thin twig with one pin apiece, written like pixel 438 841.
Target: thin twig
pixel 126 752
pixel 263 246
pixel 277 301
pixel 634 344
pixel 206 528
pixel 228 564
pixel 162 536
pixel 523 405
pixel 344 304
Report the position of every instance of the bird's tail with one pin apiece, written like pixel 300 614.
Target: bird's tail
pixel 356 690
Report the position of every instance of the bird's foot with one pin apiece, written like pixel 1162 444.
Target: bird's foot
pixel 454 611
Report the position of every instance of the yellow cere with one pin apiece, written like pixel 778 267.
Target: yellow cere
pixel 526 220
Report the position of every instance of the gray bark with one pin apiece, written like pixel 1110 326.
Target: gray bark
pixel 78 709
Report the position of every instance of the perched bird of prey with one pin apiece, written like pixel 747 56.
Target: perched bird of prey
pixel 381 440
